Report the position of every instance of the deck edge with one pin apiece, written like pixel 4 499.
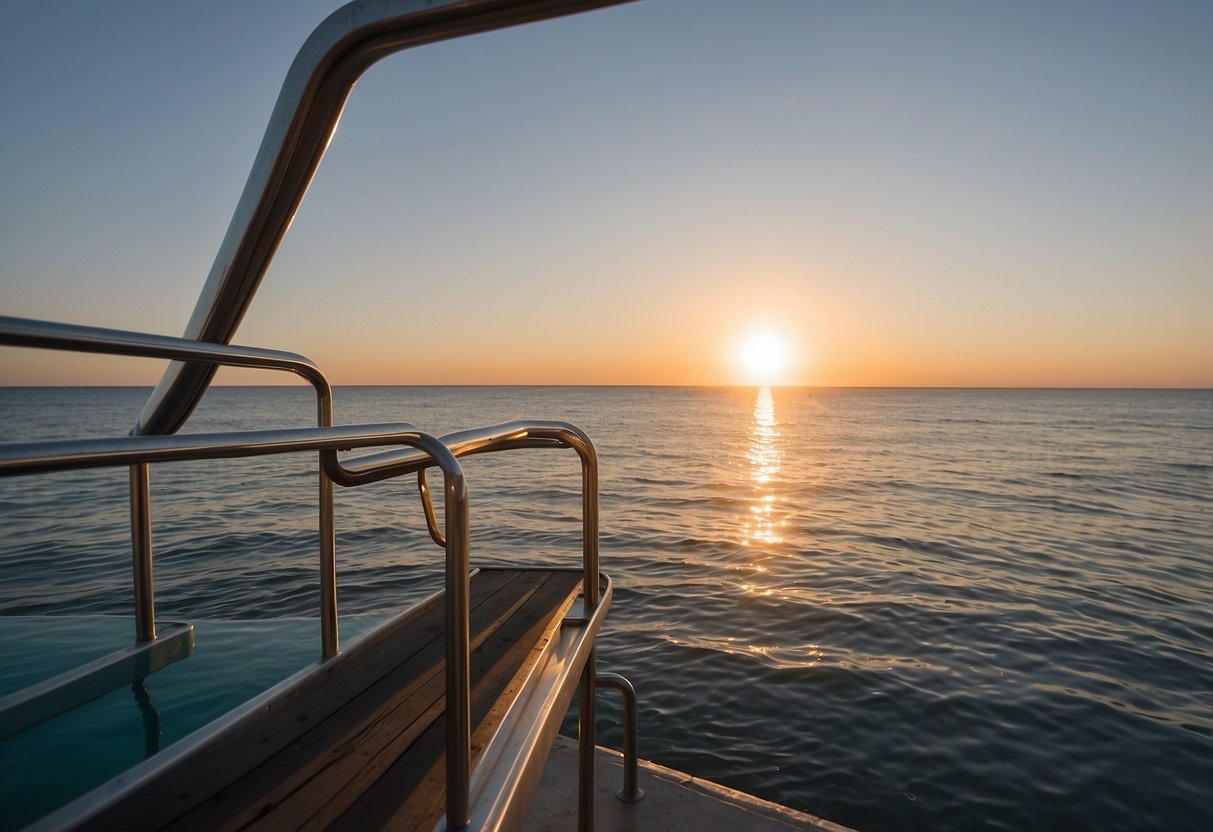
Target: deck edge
pixel 766 809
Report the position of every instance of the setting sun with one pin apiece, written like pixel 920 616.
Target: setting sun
pixel 764 355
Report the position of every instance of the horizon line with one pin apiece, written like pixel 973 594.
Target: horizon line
pixel 637 385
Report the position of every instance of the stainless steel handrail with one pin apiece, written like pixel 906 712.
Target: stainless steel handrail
pixel 25 332
pixel 370 468
pixel 511 436
pixel 18 458
pixel 28 332
pixel 506 436
pixel 138 451
pixel 631 791
pixel 45 455
pixel 344 46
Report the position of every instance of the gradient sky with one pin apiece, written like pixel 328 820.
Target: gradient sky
pixel 935 193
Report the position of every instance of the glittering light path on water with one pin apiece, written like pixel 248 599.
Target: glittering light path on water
pixel 764 518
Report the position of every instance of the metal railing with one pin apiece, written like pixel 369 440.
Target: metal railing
pixel 512 436
pixel 59 455
pixel 419 452
pixel 506 436
pixel 24 332
pixel 17 458
pixel 518 434
pixel 631 791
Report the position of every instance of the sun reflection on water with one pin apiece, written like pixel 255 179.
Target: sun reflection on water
pixel 764 520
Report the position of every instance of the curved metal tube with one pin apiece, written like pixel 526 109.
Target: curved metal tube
pixel 45 455
pixel 371 468
pixel 313 95
pixel 571 436
pixel 51 335
pixel 427 506
pixel 25 332
pixel 507 436
pixel 631 791
pixel 458 637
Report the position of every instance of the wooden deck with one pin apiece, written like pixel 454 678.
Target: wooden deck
pixel 360 745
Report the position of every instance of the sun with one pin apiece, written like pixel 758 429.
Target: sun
pixel 764 355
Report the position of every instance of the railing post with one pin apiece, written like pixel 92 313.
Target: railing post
pixel 586 746
pixel 141 553
pixel 631 791
pixel 329 642
pixel 586 742
pixel 458 640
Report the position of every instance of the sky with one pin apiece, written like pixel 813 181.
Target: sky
pixel 900 194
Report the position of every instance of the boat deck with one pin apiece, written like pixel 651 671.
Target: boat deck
pixel 361 745
pixel 673 801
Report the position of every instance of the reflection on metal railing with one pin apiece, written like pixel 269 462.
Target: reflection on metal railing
pixel 763 520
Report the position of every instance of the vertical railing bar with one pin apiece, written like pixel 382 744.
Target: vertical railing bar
pixel 589 520
pixel 586 742
pixel 330 644
pixel 458 639
pixel 586 746
pixel 141 553
pixel 329 639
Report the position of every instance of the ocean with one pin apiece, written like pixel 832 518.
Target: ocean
pixel 895 609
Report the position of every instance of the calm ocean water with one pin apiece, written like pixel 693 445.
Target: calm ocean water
pixel 897 609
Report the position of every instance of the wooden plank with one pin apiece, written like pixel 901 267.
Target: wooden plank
pixel 412 793
pixel 181 787
pixel 323 771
